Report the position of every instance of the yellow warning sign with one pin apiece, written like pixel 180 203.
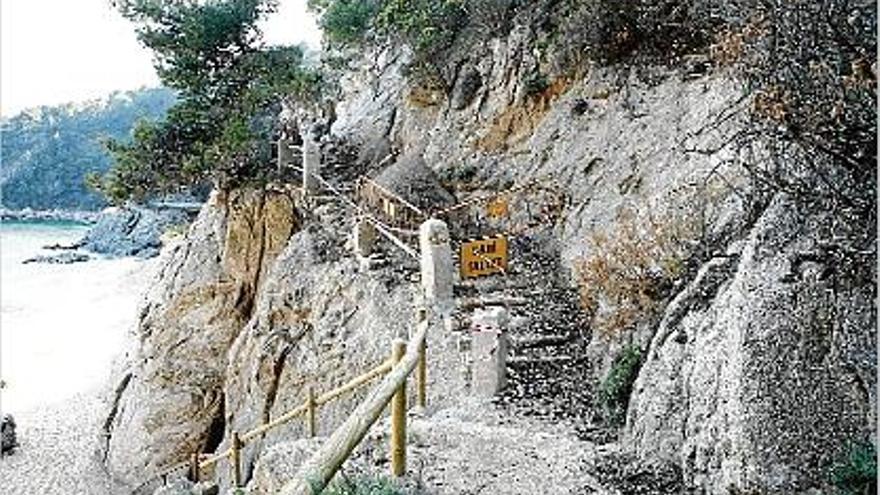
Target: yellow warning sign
pixel 484 257
pixel 497 208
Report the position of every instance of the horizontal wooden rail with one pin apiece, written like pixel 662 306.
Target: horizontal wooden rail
pixel 353 384
pixel 284 418
pixel 317 472
pixel 415 209
pixel 214 459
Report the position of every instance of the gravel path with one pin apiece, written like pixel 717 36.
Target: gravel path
pixel 478 449
pixel 58 451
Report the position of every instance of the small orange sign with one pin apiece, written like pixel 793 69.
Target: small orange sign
pixel 484 257
pixel 497 208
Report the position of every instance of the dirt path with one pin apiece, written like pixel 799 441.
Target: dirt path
pixel 475 448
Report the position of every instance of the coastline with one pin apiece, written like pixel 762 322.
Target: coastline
pixel 60 440
pixel 85 217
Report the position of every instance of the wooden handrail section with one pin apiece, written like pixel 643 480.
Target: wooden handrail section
pixel 334 394
pixel 355 383
pixel 317 472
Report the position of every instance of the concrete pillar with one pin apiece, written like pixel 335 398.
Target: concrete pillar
pixel 311 163
pixel 436 267
pixel 364 237
pixel 285 153
pixel 446 380
pixel 489 351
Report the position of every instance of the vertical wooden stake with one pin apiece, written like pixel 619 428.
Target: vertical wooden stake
pixel 398 417
pixel 313 424
pixel 422 377
pixel 194 468
pixel 235 458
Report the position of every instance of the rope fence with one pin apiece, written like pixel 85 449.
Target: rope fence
pixel 199 463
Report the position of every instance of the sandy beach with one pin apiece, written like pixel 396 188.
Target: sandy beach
pixel 63 328
pixel 58 451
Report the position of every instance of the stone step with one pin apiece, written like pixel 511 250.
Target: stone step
pixel 540 341
pixel 482 302
pixel 552 361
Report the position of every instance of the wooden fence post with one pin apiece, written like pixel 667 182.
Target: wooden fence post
pixel 313 424
pixel 398 416
pixel 235 458
pixel 422 377
pixel 194 468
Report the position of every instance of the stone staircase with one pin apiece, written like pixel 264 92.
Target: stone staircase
pixel 547 372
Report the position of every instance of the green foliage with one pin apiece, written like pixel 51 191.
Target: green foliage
pixel 345 22
pixel 230 87
pixel 535 82
pixel 428 26
pixel 615 389
pixel 49 152
pixel 857 474
pixel 363 486
pixel 613 31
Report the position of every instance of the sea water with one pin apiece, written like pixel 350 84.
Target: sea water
pixel 61 326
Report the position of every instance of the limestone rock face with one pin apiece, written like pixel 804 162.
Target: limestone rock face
pixel 321 322
pixel 759 370
pixel 169 402
pixel 754 314
pixel 761 374
pixel 279 463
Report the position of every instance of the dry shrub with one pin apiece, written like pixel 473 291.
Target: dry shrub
pixel 629 269
pixel 730 44
pixel 425 96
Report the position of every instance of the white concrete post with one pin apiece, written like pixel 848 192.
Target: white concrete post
pixel 311 163
pixel 285 153
pixel 446 381
pixel 489 351
pixel 436 267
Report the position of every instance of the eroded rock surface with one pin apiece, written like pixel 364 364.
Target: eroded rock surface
pixel 170 399
pixel 760 376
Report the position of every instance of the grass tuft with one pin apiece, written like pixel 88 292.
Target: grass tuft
pixel 615 389
pixel 857 474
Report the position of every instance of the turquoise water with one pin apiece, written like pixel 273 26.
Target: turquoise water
pixel 60 325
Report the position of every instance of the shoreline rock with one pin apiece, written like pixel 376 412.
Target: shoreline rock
pixel 130 231
pixel 65 258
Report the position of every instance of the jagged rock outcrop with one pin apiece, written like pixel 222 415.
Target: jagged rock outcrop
pixel 762 373
pixel 170 401
pixel 58 259
pixel 8 442
pixel 744 354
pixel 130 231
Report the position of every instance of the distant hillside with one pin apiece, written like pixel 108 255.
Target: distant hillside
pixel 46 152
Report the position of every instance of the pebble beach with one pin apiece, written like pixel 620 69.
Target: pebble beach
pixel 58 451
pixel 62 329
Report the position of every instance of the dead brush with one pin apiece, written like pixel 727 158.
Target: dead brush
pixel 629 268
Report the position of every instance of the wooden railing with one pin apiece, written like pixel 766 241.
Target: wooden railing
pixel 436 281
pixel 199 463
pixel 314 475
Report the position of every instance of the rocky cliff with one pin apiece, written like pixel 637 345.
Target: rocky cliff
pixel 752 314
